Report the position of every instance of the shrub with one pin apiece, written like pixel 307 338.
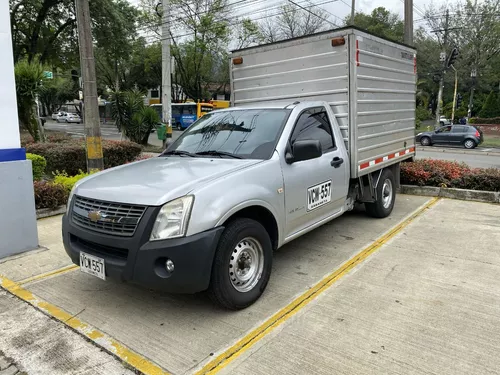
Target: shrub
pixel 49 195
pixel 38 164
pixel 485 121
pixel 449 174
pixel 491 107
pixel 70 157
pixel 62 178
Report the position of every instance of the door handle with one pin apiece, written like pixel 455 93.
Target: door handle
pixel 336 162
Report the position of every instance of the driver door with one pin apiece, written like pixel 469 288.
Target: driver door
pixel 315 189
pixel 443 135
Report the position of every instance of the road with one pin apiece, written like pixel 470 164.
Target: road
pixel 108 131
pixel 472 159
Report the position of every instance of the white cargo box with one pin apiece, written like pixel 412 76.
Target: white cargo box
pixel 369 82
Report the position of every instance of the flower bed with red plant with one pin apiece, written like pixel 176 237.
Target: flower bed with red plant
pixel 442 173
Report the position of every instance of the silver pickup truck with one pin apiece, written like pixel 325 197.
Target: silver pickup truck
pixel 317 125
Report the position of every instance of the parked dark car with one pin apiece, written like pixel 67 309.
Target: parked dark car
pixel 452 135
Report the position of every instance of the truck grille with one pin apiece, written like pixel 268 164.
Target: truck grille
pixel 106 217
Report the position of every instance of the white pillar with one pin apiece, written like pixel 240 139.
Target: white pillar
pixel 18 230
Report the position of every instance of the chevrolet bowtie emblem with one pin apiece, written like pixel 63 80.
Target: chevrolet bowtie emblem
pixel 94 216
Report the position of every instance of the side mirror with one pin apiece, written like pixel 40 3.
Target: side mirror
pixel 304 150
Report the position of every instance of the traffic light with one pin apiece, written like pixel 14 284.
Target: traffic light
pixel 459 100
pixel 452 58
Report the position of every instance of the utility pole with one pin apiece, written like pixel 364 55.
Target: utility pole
pixel 353 11
pixel 409 22
pixel 441 81
pixel 454 96
pixel 166 79
pixel 91 107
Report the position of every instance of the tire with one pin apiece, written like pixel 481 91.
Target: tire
pixel 242 237
pixel 469 144
pixel 425 141
pixel 386 196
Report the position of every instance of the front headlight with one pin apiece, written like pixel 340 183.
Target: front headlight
pixel 172 219
pixel 68 204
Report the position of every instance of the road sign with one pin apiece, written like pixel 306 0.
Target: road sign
pixel 48 75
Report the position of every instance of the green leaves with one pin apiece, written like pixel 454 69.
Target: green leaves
pixel 132 117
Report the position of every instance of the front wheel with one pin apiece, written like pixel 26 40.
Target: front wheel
pixel 469 144
pixel 242 265
pixel 386 196
pixel 425 141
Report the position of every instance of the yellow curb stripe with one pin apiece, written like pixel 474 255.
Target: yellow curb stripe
pixel 296 305
pixel 45 275
pixel 102 340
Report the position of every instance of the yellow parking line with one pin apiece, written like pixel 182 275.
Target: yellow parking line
pixel 102 340
pixel 296 305
pixel 45 275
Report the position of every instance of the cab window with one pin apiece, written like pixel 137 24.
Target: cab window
pixel 313 124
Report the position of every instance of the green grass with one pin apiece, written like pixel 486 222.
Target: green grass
pixel 491 141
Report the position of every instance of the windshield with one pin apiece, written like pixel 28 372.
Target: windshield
pixel 249 134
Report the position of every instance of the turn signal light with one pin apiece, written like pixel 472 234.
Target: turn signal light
pixel 238 60
pixel 340 41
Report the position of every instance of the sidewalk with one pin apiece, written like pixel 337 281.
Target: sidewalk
pixel 415 293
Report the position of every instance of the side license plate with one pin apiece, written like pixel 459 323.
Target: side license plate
pixel 319 195
pixel 92 265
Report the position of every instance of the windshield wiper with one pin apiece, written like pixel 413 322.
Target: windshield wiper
pixel 179 152
pixel 219 153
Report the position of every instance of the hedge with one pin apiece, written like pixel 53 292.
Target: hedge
pixel 485 121
pixel 49 195
pixel 441 173
pixel 70 157
pixel 56 137
pixel 38 164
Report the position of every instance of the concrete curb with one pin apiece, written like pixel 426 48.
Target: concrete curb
pixel 47 212
pixel 461 194
pixel 457 151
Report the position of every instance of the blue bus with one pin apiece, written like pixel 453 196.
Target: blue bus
pixel 184 114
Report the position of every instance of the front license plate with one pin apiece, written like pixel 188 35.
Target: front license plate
pixel 92 265
pixel 319 195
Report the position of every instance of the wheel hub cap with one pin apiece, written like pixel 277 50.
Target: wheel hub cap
pixel 246 264
pixel 387 193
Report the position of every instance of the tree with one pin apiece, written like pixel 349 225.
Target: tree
pixel 380 22
pixel 132 117
pixel 29 79
pixel 56 92
pixel 491 107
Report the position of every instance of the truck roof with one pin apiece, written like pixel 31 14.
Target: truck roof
pixel 326 32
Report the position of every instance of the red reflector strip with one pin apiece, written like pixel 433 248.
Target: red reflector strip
pixel 357 52
pixel 371 163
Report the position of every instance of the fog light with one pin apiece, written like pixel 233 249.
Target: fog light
pixel 169 266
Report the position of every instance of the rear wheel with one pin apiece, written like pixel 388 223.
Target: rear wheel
pixel 386 196
pixel 469 143
pixel 425 141
pixel 242 265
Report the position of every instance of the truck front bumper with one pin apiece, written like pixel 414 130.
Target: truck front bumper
pixel 140 261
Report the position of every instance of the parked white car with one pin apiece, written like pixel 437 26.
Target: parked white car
pixel 70 117
pixel 56 115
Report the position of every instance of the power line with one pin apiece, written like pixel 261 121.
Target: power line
pixel 238 22
pixel 314 14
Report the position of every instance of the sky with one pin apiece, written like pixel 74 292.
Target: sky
pixel 338 8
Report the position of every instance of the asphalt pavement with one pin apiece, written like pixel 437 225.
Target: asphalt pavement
pixel 478 158
pixel 108 131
